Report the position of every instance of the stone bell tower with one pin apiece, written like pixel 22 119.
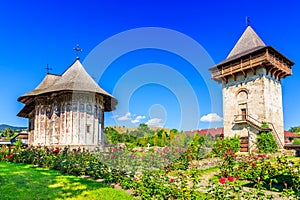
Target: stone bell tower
pixel 251 85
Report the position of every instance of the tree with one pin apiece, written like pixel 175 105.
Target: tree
pixel 163 139
pixel 173 133
pixel 8 132
pixel 155 140
pixel 112 135
pixel 18 144
pixel 295 129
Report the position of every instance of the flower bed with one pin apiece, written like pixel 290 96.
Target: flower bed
pixel 148 178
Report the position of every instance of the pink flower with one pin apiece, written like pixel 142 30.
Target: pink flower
pixel 114 149
pixel 166 149
pixel 295 170
pixel 222 180
pixel 112 156
pixel 230 178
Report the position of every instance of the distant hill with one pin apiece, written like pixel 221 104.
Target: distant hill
pixel 15 128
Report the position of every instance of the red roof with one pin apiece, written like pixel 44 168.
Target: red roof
pixel 288 134
pixel 211 131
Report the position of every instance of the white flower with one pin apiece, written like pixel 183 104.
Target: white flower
pixel 290 164
pixel 295 170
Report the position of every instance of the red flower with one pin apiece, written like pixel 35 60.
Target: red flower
pixel 152 157
pixel 239 168
pixel 254 164
pixel 255 158
pixel 8 156
pixel 230 178
pixel 112 156
pixel 55 150
pixel 189 157
pixel 114 149
pixel 222 180
pixel 171 180
pixel 262 155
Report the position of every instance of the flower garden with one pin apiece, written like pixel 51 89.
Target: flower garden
pixel 151 175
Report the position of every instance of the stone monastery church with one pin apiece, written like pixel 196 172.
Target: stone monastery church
pixel 67 110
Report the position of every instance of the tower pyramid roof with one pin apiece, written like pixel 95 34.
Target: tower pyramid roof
pixel 249 53
pixel 247 42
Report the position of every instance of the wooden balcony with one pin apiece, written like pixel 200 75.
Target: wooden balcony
pixel 277 65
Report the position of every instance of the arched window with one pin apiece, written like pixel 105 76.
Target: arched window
pixel 242 98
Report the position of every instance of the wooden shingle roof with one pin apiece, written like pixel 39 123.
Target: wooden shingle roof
pixel 247 42
pixel 75 78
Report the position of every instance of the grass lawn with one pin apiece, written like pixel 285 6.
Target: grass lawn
pixel 19 181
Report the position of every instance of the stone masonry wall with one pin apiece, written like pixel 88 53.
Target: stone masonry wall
pixel 260 95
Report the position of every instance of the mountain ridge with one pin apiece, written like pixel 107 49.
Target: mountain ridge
pixel 15 128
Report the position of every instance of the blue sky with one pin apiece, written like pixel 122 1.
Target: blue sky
pixel 160 85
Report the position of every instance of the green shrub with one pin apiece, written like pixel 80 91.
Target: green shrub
pixel 226 144
pixel 266 143
pixel 296 141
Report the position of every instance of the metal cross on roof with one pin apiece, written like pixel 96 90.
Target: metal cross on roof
pixel 248 21
pixel 78 50
pixel 48 69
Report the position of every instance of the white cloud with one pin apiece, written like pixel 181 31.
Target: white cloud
pixel 140 117
pixel 211 117
pixel 133 118
pixel 155 122
pixel 137 119
pixel 126 117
